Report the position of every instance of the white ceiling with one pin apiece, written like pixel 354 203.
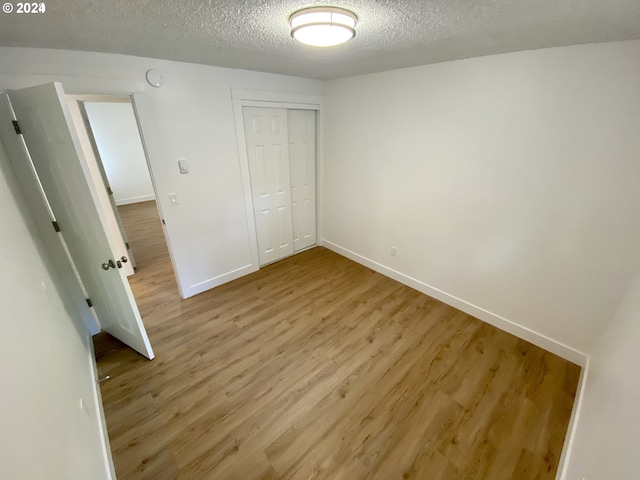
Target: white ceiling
pixel 254 34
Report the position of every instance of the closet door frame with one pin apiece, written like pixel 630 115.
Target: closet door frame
pixel 265 99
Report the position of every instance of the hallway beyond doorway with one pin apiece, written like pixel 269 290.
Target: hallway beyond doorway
pixel 154 281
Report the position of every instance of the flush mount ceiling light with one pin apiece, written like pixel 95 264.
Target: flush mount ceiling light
pixel 323 26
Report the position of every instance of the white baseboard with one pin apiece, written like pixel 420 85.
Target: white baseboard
pixel 219 280
pixel 569 439
pixel 128 201
pixel 99 409
pixel 538 339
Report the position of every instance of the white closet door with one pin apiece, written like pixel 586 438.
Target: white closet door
pixel 302 158
pixel 268 151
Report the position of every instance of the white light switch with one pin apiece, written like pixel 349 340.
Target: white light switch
pixel 183 165
pixel 173 200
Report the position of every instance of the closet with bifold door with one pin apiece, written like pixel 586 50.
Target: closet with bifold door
pixel 281 149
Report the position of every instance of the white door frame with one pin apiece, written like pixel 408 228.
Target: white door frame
pixel 266 99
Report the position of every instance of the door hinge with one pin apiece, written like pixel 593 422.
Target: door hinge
pixel 16 127
pixel 56 227
pixel 109 191
pixel 87 123
pixel 126 244
pixel 163 222
pixel 89 302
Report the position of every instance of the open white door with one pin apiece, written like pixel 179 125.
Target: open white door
pixel 45 123
pixel 100 184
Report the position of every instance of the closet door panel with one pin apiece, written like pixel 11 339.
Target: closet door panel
pixel 302 159
pixel 268 151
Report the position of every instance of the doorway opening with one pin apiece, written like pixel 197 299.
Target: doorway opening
pixel 110 125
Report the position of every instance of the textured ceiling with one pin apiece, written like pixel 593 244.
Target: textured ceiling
pixel 254 34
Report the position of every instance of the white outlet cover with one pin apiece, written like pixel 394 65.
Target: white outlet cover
pixel 83 407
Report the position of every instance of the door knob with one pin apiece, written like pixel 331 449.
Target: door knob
pixel 124 259
pixel 108 265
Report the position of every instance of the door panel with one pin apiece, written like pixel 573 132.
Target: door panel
pixel 58 160
pixel 110 217
pixel 103 174
pixel 268 152
pixel 302 157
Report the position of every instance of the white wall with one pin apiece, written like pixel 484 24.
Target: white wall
pixel 190 117
pixel 115 131
pixel 509 183
pixel 45 360
pixel 607 442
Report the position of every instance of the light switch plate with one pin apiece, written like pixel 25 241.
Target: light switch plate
pixel 173 200
pixel 183 165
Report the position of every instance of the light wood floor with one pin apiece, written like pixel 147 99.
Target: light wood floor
pixel 153 281
pixel 318 368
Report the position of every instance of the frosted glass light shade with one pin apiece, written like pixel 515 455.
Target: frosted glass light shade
pixel 323 26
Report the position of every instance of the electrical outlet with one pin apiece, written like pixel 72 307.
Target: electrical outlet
pixel 84 408
pixel 394 251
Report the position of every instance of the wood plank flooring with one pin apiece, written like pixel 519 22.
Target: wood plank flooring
pixel 154 277
pixel 318 368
